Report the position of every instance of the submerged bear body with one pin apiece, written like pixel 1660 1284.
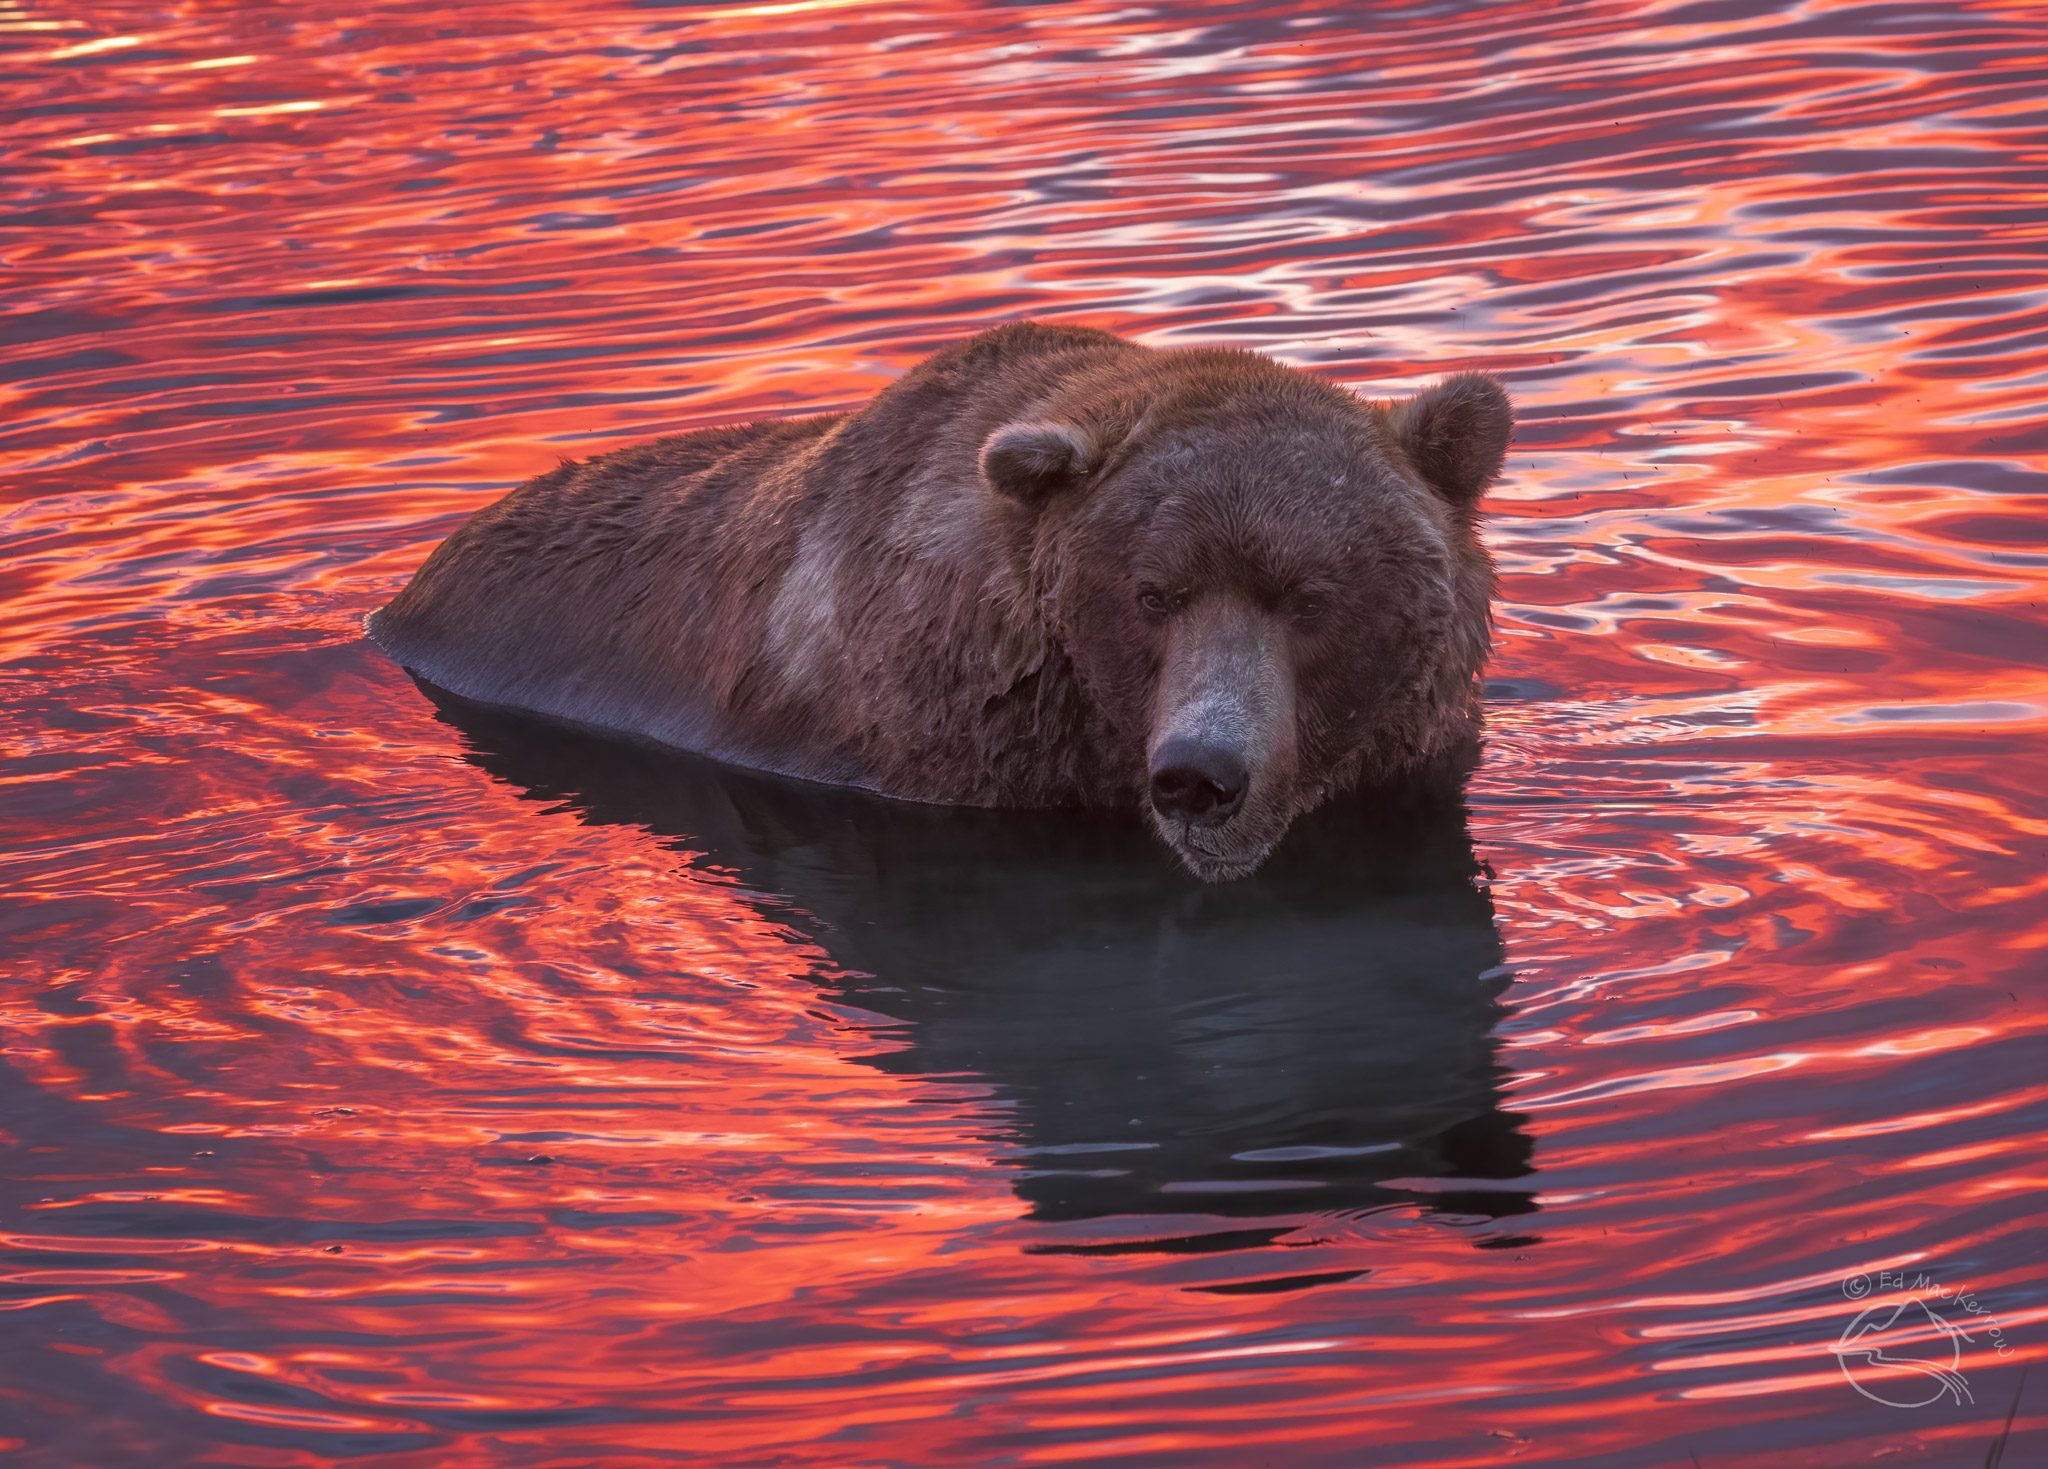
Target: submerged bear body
pixel 1046 567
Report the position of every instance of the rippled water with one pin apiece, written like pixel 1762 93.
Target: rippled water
pixel 385 1085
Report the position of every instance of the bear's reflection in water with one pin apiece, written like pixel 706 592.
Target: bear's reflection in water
pixel 1316 1038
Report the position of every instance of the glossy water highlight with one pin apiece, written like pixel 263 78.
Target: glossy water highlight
pixel 395 1082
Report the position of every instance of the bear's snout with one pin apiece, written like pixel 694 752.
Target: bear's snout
pixel 1201 784
pixel 1221 773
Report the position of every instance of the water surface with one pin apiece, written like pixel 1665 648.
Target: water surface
pixel 390 1083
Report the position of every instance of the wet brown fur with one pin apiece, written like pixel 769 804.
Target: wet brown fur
pixel 848 598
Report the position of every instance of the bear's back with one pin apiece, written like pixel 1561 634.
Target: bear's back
pixel 577 594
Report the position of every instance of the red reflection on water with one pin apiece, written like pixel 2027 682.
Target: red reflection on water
pixel 376 1090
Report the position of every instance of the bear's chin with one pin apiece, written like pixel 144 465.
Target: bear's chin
pixel 1223 863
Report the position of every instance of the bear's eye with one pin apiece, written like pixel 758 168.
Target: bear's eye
pixel 1158 601
pixel 1306 607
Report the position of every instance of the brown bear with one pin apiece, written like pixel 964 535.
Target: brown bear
pixel 1046 567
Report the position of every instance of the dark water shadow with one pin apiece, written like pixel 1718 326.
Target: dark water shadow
pixel 1316 1038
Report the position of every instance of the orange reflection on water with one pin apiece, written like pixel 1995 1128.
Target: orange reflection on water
pixel 388 1086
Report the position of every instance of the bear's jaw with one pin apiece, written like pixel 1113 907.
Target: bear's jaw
pixel 1210 854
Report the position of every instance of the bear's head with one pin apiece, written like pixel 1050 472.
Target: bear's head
pixel 1273 590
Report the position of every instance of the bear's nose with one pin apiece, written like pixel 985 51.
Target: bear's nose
pixel 1196 782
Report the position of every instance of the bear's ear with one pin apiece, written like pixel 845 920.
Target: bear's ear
pixel 1032 462
pixel 1456 434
